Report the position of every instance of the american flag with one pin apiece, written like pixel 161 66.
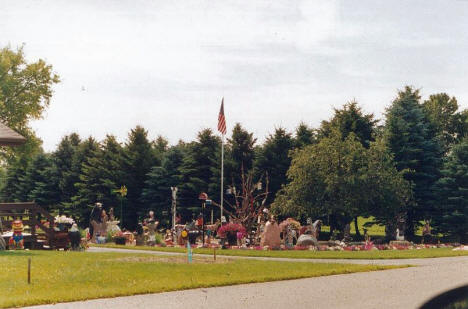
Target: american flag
pixel 221 119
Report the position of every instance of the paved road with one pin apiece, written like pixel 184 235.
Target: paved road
pixel 396 288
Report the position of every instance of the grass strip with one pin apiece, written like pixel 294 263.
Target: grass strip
pixel 308 254
pixel 59 276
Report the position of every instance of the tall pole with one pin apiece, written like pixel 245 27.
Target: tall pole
pixel 174 204
pixel 222 173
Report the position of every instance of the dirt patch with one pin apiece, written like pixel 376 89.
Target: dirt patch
pixel 171 259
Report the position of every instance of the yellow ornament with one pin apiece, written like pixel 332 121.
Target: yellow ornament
pixel 184 234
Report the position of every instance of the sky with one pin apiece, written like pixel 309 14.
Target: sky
pixel 166 65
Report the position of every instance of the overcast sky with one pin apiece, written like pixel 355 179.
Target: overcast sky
pixel 166 64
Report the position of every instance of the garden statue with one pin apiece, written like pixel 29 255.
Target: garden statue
pixel 16 239
pixel 94 219
pixel 347 233
pixel 271 235
pixel 426 233
pixel 290 229
pixel 152 226
pixel 290 237
pixel 75 237
pixel 399 235
pixel 140 235
pixel 111 214
pixel 168 238
pixel 317 227
pixel 400 231
pixel 366 236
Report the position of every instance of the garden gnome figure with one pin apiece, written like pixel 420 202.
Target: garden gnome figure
pixel 17 240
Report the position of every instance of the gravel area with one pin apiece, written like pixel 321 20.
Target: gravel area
pixel 396 288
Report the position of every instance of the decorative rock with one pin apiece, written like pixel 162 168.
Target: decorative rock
pixel 271 235
pixel 307 240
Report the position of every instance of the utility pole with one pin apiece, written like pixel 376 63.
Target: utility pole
pixel 174 204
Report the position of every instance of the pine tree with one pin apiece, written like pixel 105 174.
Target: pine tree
pixel 273 160
pixel 42 178
pixel 200 171
pixel 138 161
pixel 350 119
pixel 80 206
pixel 157 193
pixel 63 158
pixel 453 194
pixel 416 149
pixel 304 136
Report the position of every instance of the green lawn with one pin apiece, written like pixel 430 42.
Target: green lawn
pixel 306 254
pixel 59 276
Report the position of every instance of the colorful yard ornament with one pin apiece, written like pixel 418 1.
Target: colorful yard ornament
pixel 17 240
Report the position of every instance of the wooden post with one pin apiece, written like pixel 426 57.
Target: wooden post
pixel 29 270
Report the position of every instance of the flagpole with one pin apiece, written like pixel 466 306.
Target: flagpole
pixel 222 172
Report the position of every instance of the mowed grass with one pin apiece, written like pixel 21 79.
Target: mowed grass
pixel 307 254
pixel 59 276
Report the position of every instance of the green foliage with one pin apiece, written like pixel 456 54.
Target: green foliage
pixel 350 119
pixel 200 170
pixel 25 92
pixel 241 146
pixel 138 159
pixel 157 193
pixel 413 143
pixel 273 160
pixel 342 179
pixel 449 124
pixel 304 136
pixel 41 180
pixel 81 203
pixel 452 187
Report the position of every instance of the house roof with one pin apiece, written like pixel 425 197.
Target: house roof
pixel 8 137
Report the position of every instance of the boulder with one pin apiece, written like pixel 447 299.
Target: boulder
pixel 306 240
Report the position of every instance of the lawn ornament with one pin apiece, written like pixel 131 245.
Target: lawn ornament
pixel 17 240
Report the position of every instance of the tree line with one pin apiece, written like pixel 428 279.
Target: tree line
pixel 411 165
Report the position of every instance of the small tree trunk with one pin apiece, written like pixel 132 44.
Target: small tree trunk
pixel 356 227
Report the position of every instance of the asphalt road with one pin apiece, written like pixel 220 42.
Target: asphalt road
pixel 396 288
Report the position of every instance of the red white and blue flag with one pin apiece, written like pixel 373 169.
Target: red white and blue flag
pixel 221 119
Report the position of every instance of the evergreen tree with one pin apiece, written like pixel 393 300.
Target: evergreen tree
pixel 304 136
pixel 242 148
pixel 102 173
pixel 350 119
pixel 453 194
pixel 80 206
pixel 449 124
pixel 157 193
pixel 64 158
pixel 14 188
pixel 138 160
pixel 42 181
pixel 273 159
pixel 416 149
pixel 200 171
